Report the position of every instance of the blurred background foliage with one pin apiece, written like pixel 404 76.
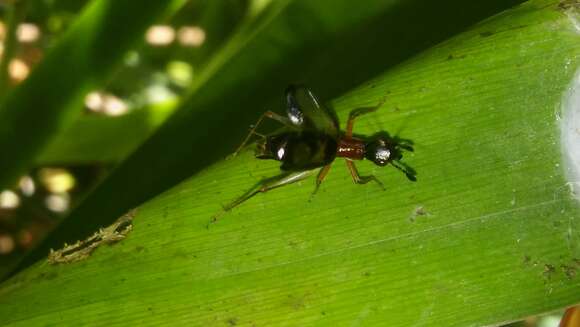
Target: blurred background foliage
pixel 116 118
pixel 155 77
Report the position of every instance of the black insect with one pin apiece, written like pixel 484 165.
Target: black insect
pixel 312 139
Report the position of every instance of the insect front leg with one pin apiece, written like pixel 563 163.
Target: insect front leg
pixel 358 179
pixel 268 114
pixel 263 186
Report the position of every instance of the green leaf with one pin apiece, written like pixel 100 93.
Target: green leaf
pixel 50 99
pixel 488 233
pixel 332 49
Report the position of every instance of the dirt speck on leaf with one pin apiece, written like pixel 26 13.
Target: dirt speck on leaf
pixel 419 211
pixel 233 321
pixel 569 271
pixel 549 271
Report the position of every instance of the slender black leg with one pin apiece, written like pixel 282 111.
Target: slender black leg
pixel 262 187
pixel 404 144
pixel 358 179
pixel 406 147
pixel 408 171
pixel 268 114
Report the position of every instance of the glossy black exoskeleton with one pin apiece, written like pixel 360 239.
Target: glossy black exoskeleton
pixel 312 139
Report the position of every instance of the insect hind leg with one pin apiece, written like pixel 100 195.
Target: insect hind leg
pixel 263 186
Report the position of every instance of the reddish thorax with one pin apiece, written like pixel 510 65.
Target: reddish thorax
pixel 352 148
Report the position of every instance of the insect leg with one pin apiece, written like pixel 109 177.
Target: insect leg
pixel 358 179
pixel 406 147
pixel 267 114
pixel 404 144
pixel 321 175
pixel 403 167
pixel 264 186
pixel 357 112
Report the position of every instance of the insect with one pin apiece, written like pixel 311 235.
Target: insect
pixel 312 140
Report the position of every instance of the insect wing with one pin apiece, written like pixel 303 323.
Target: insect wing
pixel 306 111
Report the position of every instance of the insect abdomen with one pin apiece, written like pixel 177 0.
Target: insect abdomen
pixel 307 150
